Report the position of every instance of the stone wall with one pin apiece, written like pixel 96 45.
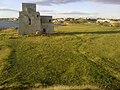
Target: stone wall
pixel 47 25
pixel 30 21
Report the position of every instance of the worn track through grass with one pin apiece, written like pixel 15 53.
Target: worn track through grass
pixel 67 58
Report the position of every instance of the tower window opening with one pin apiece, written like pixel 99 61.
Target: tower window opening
pixel 29 21
pixel 37 15
pixel 50 21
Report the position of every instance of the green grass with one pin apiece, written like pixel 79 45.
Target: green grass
pixel 76 55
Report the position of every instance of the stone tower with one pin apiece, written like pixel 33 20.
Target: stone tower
pixel 30 21
pixel 47 25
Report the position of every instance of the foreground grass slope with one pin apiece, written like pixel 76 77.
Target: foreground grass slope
pixel 79 54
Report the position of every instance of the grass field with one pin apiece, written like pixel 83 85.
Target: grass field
pixel 78 56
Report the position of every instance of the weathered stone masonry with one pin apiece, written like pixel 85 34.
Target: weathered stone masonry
pixel 30 21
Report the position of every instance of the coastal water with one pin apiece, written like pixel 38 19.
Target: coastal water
pixel 7 24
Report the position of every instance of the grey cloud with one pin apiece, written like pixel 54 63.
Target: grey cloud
pixel 50 2
pixel 72 13
pixel 78 13
pixel 46 11
pixel 107 1
pixel 12 10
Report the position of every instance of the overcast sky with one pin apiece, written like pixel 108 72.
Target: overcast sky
pixel 65 8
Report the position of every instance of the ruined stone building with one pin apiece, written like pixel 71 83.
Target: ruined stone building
pixel 30 21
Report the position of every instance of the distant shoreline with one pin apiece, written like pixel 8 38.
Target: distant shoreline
pixel 8 24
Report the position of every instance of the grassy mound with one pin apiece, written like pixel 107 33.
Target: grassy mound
pixel 76 55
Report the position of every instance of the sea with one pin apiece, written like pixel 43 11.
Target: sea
pixel 7 24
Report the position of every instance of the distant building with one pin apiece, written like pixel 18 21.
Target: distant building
pixel 30 21
pixel 103 20
pixel 115 23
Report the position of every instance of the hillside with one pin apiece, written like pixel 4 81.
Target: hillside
pixel 76 55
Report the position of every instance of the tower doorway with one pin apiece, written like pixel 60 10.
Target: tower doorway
pixel 44 30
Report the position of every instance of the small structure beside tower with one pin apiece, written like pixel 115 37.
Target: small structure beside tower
pixel 30 21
